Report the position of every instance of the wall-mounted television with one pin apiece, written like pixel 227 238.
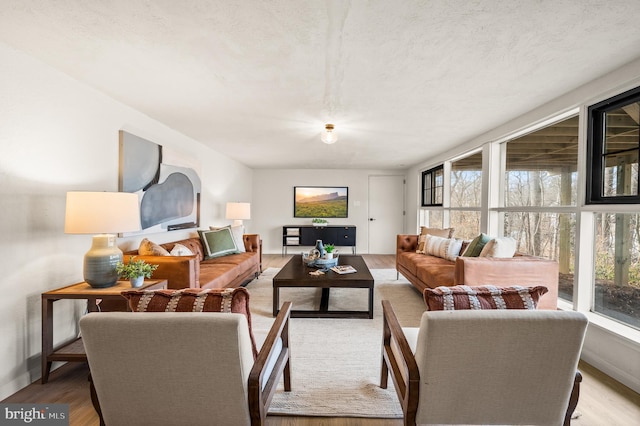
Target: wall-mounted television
pixel 321 201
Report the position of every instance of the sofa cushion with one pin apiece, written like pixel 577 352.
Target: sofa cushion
pixel 218 242
pixel 149 248
pixel 482 297
pixel 499 247
pixel 193 300
pixel 446 248
pixel 434 274
pixel 476 245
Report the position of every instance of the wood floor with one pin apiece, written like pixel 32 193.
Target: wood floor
pixel 603 401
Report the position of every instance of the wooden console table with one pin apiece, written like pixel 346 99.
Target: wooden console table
pixel 306 235
pixel 74 350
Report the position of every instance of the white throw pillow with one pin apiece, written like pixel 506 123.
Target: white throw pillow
pixel 499 247
pixel 446 248
pixel 180 250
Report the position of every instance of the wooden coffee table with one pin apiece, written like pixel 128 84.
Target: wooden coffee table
pixel 296 274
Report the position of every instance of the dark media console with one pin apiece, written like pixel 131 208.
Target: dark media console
pixel 307 235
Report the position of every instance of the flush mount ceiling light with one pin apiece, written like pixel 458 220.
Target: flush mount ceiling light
pixel 329 136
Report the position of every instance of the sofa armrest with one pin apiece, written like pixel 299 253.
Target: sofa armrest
pixel 406 242
pixel 526 271
pixel 253 243
pixel 179 271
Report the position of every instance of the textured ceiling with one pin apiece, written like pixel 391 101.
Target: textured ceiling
pixel 258 79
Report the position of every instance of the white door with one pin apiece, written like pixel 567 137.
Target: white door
pixel 386 213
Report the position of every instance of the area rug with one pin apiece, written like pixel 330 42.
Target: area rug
pixel 335 363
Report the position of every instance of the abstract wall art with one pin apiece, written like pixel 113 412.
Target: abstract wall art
pixel 169 193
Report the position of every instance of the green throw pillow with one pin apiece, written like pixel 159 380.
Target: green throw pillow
pixel 218 243
pixel 476 245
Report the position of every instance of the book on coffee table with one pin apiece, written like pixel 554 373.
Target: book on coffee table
pixel 344 269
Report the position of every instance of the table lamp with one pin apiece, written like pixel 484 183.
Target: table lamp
pixel 103 213
pixel 238 212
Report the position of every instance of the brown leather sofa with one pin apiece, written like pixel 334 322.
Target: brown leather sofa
pixel 195 271
pixel 424 270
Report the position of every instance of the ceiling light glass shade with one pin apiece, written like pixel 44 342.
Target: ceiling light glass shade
pixel 329 136
pixel 104 213
pixel 238 212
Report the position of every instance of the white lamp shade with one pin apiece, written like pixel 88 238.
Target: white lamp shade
pixel 101 212
pixel 238 211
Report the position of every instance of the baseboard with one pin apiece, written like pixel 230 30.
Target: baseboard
pixel 19 383
pixel 611 370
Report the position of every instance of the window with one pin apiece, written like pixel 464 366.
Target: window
pixel 613 144
pixel 540 195
pixel 617 267
pixel 432 186
pixel 541 167
pixel 466 196
pixel 549 235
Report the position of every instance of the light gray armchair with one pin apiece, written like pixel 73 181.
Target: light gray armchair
pixel 183 368
pixel 485 367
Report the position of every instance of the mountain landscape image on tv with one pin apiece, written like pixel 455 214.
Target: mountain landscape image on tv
pixel 320 201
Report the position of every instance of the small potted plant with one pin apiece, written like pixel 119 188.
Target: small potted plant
pixel 319 222
pixel 329 249
pixel 135 270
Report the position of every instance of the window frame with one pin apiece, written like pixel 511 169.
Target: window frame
pixel 432 187
pixel 595 149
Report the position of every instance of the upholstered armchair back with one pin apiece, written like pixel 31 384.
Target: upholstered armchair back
pixel 504 366
pixel 179 368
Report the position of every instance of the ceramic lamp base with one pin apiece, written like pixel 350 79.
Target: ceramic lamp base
pixel 101 260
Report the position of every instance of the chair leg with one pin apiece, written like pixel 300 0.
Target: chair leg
pixel 384 374
pixel 573 400
pixel 94 400
pixel 286 375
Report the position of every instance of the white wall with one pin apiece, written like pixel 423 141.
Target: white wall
pixel 615 353
pixel 272 205
pixel 56 135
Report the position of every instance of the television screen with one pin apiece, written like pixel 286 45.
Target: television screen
pixel 320 201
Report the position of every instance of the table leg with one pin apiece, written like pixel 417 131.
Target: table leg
pixel 47 338
pixel 276 300
pixel 324 300
pixel 371 303
pixel 92 305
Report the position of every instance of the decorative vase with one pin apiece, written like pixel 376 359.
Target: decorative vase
pixel 320 248
pixel 101 260
pixel 137 281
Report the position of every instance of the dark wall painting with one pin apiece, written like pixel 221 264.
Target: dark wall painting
pixel 169 194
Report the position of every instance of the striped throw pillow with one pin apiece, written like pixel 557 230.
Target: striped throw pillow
pixel 482 297
pixel 446 248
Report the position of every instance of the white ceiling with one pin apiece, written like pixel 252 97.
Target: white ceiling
pixel 258 79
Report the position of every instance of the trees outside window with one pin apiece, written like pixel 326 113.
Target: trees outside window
pixel 617 267
pixel 466 195
pixel 540 195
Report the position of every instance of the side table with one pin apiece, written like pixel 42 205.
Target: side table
pixel 74 350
